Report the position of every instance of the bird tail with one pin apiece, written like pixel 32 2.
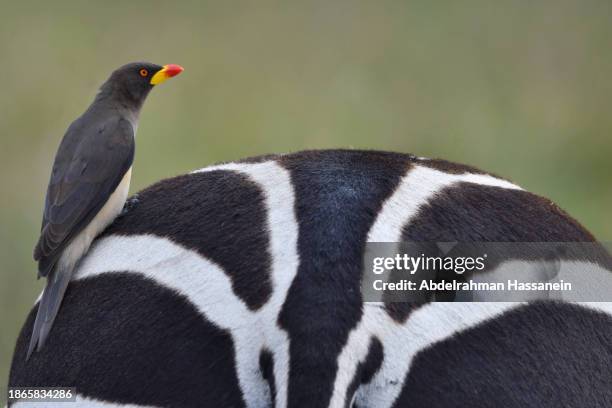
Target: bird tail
pixel 49 304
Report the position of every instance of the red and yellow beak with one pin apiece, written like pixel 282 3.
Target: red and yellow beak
pixel 168 71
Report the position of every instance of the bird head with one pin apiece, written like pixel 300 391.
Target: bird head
pixel 134 81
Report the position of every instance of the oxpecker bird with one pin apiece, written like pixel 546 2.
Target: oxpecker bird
pixel 90 181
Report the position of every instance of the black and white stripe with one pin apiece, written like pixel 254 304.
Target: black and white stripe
pixel 238 285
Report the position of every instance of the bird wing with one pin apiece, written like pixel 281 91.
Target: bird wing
pixel 90 163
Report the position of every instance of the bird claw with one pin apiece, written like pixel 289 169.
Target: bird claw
pixel 130 203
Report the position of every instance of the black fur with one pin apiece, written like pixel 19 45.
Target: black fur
pixel 266 366
pixel 400 311
pixel 475 213
pixel 538 356
pixel 123 338
pixel 338 195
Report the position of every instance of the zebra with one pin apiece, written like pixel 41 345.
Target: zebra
pixel 238 285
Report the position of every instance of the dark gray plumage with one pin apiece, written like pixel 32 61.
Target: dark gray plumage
pixel 89 181
pixel 93 157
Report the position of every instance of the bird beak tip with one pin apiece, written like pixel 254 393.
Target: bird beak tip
pixel 168 71
pixel 173 69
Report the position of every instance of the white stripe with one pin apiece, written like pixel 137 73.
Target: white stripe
pixel 416 189
pixel 284 231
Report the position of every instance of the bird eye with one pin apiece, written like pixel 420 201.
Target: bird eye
pixel 144 72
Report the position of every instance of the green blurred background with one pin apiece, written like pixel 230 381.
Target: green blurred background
pixel 522 89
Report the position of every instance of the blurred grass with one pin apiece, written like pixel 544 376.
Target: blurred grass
pixel 521 89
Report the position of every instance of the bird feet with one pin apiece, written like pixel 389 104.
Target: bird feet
pixel 130 203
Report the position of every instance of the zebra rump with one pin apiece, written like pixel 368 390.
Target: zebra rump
pixel 238 285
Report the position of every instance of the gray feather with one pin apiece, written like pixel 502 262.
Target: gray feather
pixel 49 305
pixel 91 161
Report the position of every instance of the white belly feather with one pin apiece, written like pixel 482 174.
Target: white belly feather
pixel 111 209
